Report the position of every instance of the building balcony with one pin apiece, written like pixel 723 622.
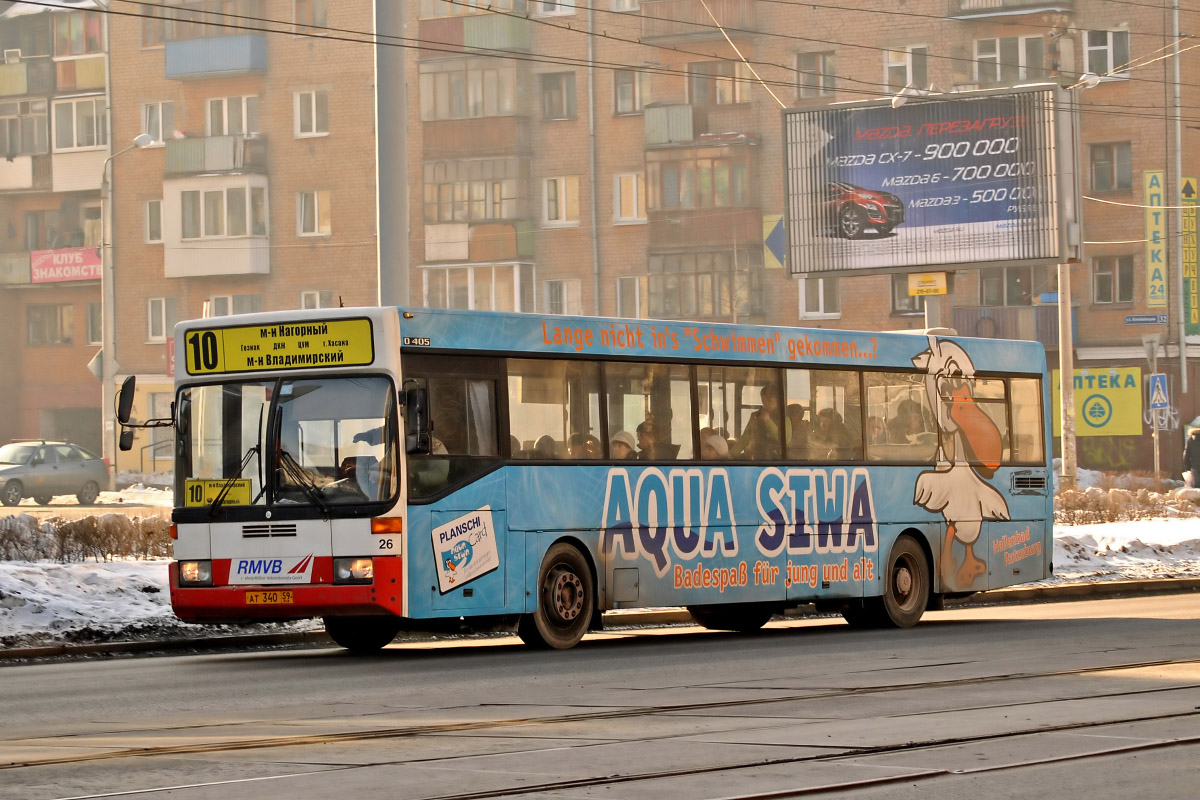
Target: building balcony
pixel 1031 323
pixel 216 56
pixel 687 20
pixel 16 173
pixel 14 267
pixel 479 136
pixel 704 227
pixel 236 242
pixel 479 33
pixel 27 77
pixel 213 154
pixel 81 74
pixel 960 9
pixel 674 124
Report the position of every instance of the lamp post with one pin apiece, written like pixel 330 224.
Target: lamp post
pixel 108 319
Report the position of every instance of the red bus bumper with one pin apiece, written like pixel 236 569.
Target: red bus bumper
pixel 228 604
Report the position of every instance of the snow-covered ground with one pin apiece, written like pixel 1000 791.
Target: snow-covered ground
pixel 119 600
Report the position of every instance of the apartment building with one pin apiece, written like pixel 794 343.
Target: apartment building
pixel 258 191
pixel 54 140
pixel 620 158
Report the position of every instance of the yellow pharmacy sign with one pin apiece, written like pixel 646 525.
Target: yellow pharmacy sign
pixel 1154 184
pixel 1108 402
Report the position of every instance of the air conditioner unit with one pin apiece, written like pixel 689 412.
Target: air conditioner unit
pixel 12 56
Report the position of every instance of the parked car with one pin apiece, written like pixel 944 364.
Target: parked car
pixel 43 470
pixel 850 210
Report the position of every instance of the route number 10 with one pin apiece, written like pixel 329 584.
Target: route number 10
pixel 203 353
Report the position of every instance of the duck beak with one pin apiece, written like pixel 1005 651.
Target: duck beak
pixel 980 435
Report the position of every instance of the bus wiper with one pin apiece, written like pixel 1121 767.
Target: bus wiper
pixel 221 495
pixel 299 476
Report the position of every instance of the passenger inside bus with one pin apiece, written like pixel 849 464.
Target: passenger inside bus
pixel 760 439
pixel 714 448
pixel 831 439
pixel 622 446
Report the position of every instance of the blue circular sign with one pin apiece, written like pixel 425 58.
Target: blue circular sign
pixel 1097 411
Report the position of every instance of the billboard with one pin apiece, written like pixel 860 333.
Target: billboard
pixel 967 178
pixel 65 264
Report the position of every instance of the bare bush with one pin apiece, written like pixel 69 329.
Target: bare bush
pixel 24 538
pixel 1123 496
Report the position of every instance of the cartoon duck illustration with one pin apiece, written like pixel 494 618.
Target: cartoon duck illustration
pixel 969 452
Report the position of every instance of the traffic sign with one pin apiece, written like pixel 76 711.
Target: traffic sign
pixel 1156 388
pixel 774 241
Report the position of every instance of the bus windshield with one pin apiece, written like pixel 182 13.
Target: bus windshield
pixel 325 442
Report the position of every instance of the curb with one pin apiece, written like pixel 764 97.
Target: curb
pixel 612 620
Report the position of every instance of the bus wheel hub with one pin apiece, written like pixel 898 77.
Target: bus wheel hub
pixel 903 582
pixel 567 592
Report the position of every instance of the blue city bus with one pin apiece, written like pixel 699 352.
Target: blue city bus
pixel 397 469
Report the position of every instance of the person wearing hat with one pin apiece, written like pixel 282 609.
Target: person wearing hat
pixel 623 446
pixel 714 448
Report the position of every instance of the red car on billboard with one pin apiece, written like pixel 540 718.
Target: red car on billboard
pixel 850 210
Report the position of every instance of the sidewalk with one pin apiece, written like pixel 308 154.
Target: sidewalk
pixel 613 620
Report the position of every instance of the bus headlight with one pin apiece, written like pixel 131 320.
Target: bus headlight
pixel 353 570
pixel 195 573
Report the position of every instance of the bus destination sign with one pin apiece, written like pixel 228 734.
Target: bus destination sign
pixel 287 345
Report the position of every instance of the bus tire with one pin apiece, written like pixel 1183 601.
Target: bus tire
pixel 566 600
pixel 906 585
pixel 743 618
pixel 362 635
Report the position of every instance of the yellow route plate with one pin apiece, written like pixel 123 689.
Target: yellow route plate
pixel 198 493
pixel 320 344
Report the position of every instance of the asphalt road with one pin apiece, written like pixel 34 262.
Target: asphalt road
pixel 1096 698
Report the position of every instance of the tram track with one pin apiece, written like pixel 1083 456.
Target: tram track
pixel 499 725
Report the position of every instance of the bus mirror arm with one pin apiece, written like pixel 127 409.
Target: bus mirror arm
pixel 125 408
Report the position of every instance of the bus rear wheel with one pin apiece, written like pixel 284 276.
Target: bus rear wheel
pixel 743 618
pixel 906 588
pixel 566 601
pixel 362 634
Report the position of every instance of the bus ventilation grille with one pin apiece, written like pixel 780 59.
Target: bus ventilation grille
pixel 268 530
pixel 1029 483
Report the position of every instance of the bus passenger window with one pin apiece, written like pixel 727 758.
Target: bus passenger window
pixel 741 405
pixel 653 403
pixel 1026 403
pixel 555 406
pixel 832 397
pixel 900 422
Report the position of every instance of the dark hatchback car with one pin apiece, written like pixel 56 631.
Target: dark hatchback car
pixel 850 210
pixel 43 470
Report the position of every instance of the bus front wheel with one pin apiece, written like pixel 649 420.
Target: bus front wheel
pixel 906 588
pixel 566 601
pixel 362 634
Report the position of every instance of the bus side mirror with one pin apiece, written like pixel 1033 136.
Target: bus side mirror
pixel 125 443
pixel 416 414
pixel 125 400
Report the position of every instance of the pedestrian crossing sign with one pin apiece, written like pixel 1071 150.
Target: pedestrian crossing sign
pixel 1156 388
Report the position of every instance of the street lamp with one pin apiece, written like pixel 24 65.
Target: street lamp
pixel 108 320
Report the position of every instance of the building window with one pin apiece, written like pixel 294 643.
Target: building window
pixel 313 214
pixel 631 91
pixel 820 298
pixel 626 5
pixel 224 213
pixel 79 33
pixel 695 182
pixel 312 113
pixel 629 197
pixel 814 75
pixel 316 299
pixel 690 285
pixel 449 90
pixel 562 201
pixel 226 304
pixel 95 324
pixel 1112 167
pixel 158 120
pixel 486 287
pixel 458 191
pixel 558 95
pixel 906 66
pixel 235 115
pixel 631 297
pixel 1112 279
pixel 161 316
pixel 310 16
pixel 80 124
pixel 1107 53
pixel 552 8
pixel 717 83
pixel 1007 286
pixel 154 221
pixel 155 21
pixel 902 301
pixel 24 128
pixel 563 297
pixel 50 325
pixel 1009 60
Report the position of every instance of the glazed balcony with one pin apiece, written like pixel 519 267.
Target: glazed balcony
pixel 666 21
pixel 27 77
pixel 989 8
pixel 215 154
pixel 1031 323
pixel 216 56
pixel 463 138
